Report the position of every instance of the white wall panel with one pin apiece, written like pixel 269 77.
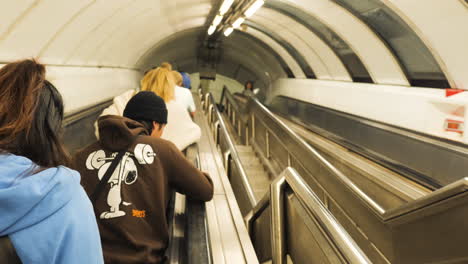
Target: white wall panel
pixel 376 57
pixel 148 43
pixel 82 87
pixel 86 51
pixel 151 29
pixel 317 48
pixel 420 109
pixel 37 27
pixel 443 26
pixel 73 35
pixel 310 55
pixel 11 11
pixel 292 64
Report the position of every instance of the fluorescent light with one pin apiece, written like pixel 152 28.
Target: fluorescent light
pixel 211 30
pixel 225 6
pixel 228 31
pixel 253 8
pixel 217 20
pixel 238 22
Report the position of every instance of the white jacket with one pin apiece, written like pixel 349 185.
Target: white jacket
pixel 180 130
pixel 116 108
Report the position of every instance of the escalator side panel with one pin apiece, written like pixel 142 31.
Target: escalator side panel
pixel 261 236
pixel 239 190
pixel 259 136
pixel 362 216
pixel 280 152
pixel 378 192
pixel 304 241
pixel 313 184
pixel 435 235
pixel 357 234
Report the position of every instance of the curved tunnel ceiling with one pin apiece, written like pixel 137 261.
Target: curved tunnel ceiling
pixel 243 51
pixel 339 40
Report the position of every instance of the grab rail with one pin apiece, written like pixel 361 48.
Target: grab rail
pixel 349 250
pixel 210 105
pixel 188 230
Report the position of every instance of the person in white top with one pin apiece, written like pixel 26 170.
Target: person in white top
pixel 116 108
pixel 181 130
pixel 183 95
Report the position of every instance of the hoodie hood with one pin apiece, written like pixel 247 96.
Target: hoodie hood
pixel 26 198
pixel 118 133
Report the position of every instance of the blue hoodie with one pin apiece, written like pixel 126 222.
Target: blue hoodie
pixel 47 216
pixel 186 80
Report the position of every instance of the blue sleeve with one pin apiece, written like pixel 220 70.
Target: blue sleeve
pixel 69 236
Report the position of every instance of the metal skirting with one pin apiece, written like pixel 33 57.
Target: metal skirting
pixel 79 126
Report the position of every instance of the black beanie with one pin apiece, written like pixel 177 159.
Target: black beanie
pixel 146 106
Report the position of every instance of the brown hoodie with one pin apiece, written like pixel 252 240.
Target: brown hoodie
pixel 131 210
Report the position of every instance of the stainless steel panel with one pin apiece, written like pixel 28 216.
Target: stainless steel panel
pixel 279 150
pixel 79 126
pixel 305 242
pixel 261 236
pixel 260 136
pixel 314 185
pixel 439 237
pixel 239 190
pixel 357 233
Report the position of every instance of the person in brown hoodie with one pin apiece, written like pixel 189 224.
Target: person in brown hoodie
pixel 131 208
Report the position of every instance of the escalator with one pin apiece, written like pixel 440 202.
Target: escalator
pixel 390 217
pixel 289 224
pixel 286 195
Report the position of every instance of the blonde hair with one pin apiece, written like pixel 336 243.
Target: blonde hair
pixel 166 65
pixel 161 82
pixel 177 78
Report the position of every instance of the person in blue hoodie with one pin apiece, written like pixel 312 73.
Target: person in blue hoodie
pixel 186 82
pixel 44 211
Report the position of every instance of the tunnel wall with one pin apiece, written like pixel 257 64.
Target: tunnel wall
pixel 420 109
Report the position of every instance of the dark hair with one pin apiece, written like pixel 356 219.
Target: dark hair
pixel 148 125
pixel 31 114
pixel 251 83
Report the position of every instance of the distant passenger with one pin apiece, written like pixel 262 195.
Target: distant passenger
pixel 248 88
pixel 186 82
pixel 182 95
pixel 43 208
pixel 132 206
pixel 181 130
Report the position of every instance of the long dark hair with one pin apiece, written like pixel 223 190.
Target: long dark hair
pixel 31 114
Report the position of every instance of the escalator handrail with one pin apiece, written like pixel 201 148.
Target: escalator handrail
pixel 347 247
pixel 190 225
pixel 210 104
pixel 457 188
pixel 229 97
pixel 255 106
